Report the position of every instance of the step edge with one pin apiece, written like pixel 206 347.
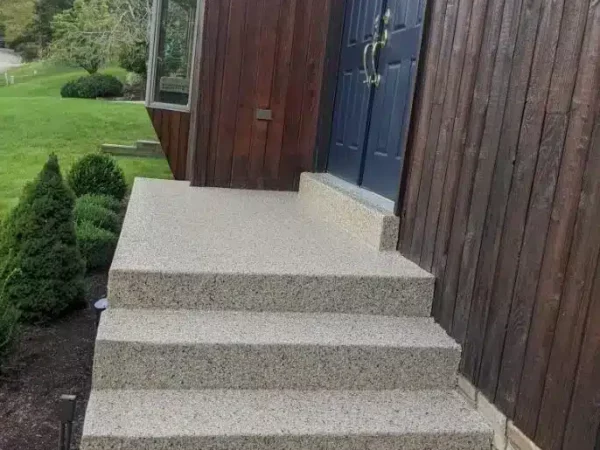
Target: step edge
pixel 476 425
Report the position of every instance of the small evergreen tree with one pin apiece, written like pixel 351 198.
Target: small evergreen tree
pixel 42 273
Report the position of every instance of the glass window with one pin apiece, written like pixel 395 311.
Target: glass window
pixel 172 58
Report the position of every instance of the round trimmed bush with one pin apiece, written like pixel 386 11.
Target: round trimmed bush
pixel 98 174
pixel 98 85
pixel 106 201
pixel 98 215
pixel 97 245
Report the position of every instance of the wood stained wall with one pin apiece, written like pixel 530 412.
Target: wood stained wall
pixel 267 54
pixel 502 204
pixel 172 129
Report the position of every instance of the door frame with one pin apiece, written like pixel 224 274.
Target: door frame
pixel 329 88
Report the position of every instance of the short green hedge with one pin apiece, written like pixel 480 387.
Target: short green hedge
pixel 106 201
pixel 97 245
pixel 98 174
pixel 93 86
pixel 86 211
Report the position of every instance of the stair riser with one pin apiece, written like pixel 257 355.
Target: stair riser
pixel 404 442
pixel 378 229
pixel 121 365
pixel 275 293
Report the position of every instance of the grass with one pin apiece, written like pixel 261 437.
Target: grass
pixel 35 121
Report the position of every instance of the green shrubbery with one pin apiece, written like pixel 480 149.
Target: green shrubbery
pixel 106 201
pixel 101 183
pixel 50 238
pixel 98 174
pixel 9 325
pixel 42 269
pixel 97 245
pixel 98 229
pixel 133 58
pixel 93 86
pixel 29 51
pixel 88 211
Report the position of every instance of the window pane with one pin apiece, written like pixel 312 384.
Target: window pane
pixel 175 50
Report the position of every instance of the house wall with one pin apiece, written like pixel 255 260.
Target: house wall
pixel 267 54
pixel 502 204
pixel 172 129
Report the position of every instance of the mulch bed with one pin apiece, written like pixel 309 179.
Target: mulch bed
pixel 48 362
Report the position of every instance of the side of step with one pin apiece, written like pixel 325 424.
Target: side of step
pixel 358 294
pixel 365 215
pixel 161 349
pixel 276 420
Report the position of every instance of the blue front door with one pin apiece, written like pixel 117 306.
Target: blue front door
pixel 372 108
pixel 353 96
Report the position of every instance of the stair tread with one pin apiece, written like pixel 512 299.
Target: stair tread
pixel 228 231
pixel 255 328
pixel 163 414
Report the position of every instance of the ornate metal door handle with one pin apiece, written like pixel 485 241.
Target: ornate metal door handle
pixel 370 45
pixel 379 43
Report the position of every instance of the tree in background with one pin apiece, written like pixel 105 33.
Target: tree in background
pixel 85 34
pixel 94 32
pixel 45 10
pixel 133 30
pixel 16 17
pixel 28 23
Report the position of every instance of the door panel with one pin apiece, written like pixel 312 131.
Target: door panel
pixel 392 101
pixel 353 98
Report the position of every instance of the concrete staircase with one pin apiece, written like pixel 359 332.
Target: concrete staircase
pixel 268 320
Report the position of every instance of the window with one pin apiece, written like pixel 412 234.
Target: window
pixel 174 26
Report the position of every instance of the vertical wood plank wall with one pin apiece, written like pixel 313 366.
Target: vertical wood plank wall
pixel 172 129
pixel 267 54
pixel 502 204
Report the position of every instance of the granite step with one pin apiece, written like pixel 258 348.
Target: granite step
pixel 162 349
pixel 365 215
pixel 281 419
pixel 226 249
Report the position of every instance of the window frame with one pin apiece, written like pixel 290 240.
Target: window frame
pixel 157 7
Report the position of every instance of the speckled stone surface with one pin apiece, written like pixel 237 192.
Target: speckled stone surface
pixel 161 349
pixel 204 248
pixel 280 420
pixel 246 290
pixel 365 215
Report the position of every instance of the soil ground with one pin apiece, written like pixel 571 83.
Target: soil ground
pixel 48 362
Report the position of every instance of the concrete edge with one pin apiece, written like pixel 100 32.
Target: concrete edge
pixel 364 215
pixel 129 150
pixel 507 436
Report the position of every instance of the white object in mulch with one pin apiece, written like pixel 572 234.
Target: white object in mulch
pixel 100 306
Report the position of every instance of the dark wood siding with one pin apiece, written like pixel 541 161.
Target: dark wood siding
pixel 172 129
pixel 267 54
pixel 502 204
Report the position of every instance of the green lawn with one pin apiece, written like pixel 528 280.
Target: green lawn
pixel 35 121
